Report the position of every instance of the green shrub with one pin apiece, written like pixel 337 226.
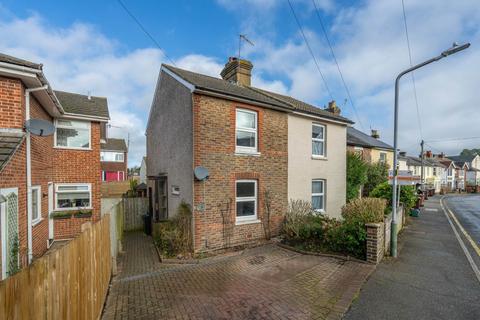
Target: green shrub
pixel 175 235
pixel 348 237
pixel 297 216
pixel 377 173
pixel 408 196
pixel 365 209
pixel 356 175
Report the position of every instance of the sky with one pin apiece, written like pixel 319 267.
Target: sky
pixel 95 46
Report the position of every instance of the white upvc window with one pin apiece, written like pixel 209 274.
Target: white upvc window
pixel 383 157
pixel 36 205
pixel 318 195
pixel 318 140
pixel 73 196
pixel 112 156
pixel 246 131
pixel 72 134
pixel 246 200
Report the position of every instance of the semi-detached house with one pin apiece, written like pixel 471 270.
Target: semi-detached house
pixel 255 144
pixel 43 177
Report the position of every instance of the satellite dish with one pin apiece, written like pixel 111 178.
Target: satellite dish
pixel 39 127
pixel 201 173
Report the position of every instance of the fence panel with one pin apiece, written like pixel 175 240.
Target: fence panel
pixel 134 208
pixel 68 283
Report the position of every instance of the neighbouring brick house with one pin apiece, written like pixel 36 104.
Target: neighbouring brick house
pixel 41 175
pixel 370 147
pixel 113 157
pixel 241 135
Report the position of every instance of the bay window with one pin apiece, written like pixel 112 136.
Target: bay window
pixel 246 200
pixel 246 131
pixel 72 196
pixel 72 134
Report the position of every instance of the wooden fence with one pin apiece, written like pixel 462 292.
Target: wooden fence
pixel 134 209
pixel 68 283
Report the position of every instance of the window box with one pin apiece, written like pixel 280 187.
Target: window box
pixel 61 215
pixel 83 213
pixel 67 214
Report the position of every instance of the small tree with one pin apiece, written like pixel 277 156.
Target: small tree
pixel 408 195
pixel 377 173
pixel 356 175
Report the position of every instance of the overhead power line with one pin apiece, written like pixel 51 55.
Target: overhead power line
pixel 144 30
pixel 413 75
pixel 338 66
pixel 310 49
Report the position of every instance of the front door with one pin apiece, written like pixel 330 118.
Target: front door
pixel 50 210
pixel 9 231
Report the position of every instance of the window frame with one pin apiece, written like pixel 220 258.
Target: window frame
pixel 324 183
pixel 39 204
pixel 323 140
pixel 242 149
pixel 253 217
pixel 55 142
pixel 103 153
pixel 89 185
pixel 384 154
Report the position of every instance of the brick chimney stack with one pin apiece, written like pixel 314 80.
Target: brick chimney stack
pixel 428 154
pixel 375 134
pixel 238 71
pixel 333 108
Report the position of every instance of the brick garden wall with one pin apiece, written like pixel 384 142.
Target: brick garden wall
pixel 214 148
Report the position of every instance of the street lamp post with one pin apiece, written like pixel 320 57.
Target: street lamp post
pixel 454 49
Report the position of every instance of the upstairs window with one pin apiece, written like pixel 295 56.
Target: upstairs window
pixel 318 195
pixel 73 196
pixel 246 131
pixel 246 200
pixel 318 140
pixel 383 157
pixel 72 134
pixel 112 156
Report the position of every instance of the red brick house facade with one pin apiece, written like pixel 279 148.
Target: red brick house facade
pixel 39 175
pixel 113 158
pixel 239 134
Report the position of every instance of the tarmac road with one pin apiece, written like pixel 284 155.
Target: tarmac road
pixel 432 278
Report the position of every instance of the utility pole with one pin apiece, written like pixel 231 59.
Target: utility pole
pixel 422 175
pixel 454 49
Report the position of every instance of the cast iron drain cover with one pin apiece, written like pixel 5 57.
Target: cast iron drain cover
pixel 257 260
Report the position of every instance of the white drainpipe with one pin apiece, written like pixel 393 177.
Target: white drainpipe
pixel 29 170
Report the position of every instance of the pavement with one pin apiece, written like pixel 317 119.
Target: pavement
pixel 432 277
pixel 266 282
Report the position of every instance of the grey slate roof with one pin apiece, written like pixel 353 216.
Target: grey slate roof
pixel 9 143
pixel 217 85
pixel 80 104
pixel 19 62
pixel 358 138
pixel 114 145
pixel 460 158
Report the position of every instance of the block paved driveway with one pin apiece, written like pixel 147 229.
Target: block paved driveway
pixel 266 282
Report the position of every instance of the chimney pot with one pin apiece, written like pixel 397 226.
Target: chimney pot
pixel 238 71
pixel 375 134
pixel 332 107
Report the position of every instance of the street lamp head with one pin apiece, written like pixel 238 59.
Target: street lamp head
pixel 455 48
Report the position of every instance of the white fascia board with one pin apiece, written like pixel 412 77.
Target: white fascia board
pixel 83 117
pixel 307 115
pixel 187 84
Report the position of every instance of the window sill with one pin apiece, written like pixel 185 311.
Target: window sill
pixel 73 209
pixel 247 153
pixel 35 222
pixel 242 222
pixel 72 148
pixel 319 157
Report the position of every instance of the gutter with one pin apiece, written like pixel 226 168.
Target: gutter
pixel 40 76
pixel 29 170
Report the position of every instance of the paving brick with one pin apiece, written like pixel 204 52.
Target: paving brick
pixel 265 282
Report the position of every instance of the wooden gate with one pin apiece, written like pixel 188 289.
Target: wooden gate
pixel 134 209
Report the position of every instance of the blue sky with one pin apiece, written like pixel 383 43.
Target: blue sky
pixel 95 46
